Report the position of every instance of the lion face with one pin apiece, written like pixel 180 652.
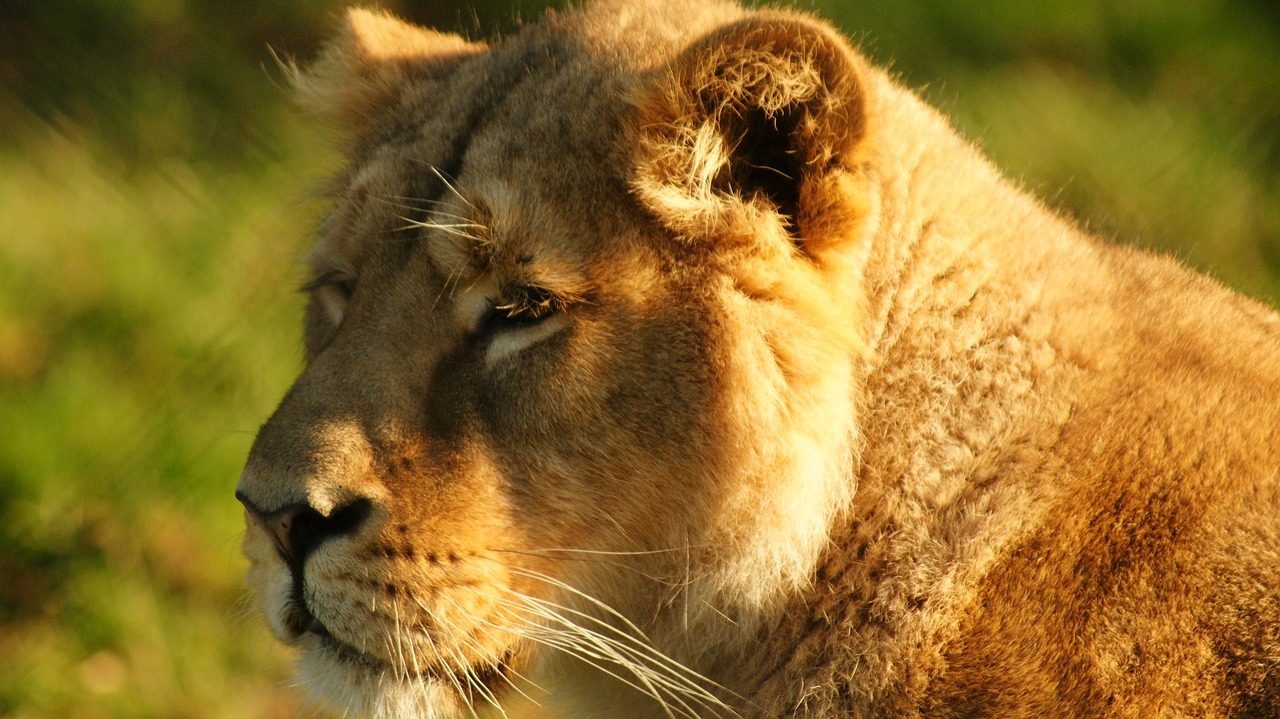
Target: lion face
pixel 576 385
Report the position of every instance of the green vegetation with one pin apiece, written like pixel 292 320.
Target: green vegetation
pixel 154 203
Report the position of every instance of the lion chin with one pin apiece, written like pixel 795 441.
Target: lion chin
pixel 365 692
pixel 341 682
pixel 668 359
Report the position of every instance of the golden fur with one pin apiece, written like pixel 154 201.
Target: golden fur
pixel 668 359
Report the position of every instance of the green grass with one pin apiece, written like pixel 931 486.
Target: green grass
pixel 147 328
pixel 1155 123
pixel 154 205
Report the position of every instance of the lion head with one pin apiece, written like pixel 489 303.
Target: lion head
pixel 580 387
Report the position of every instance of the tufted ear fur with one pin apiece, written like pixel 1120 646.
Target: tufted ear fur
pixel 362 71
pixel 759 127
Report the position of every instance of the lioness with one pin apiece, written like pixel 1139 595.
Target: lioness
pixel 666 358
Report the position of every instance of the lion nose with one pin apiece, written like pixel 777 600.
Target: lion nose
pixel 297 529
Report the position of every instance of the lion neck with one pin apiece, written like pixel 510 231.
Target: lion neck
pixel 950 317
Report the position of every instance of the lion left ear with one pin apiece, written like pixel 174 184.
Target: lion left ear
pixel 759 126
pixel 363 70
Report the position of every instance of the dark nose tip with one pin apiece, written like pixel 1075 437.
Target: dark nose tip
pixel 297 529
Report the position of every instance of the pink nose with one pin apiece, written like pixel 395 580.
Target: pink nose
pixel 297 529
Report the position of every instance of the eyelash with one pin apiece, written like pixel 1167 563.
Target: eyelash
pixel 338 281
pixel 526 306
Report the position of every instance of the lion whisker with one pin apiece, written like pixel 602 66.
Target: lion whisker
pixel 641 651
pixel 454 190
pixel 467 672
pixel 657 672
pixel 454 228
pixel 620 565
pixel 479 650
pixel 570 550
pixel 592 647
pixel 534 574
pixel 599 658
pixel 473 681
pixel 422 204
pixel 446 668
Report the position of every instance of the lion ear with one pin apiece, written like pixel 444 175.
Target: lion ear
pixel 759 126
pixel 364 69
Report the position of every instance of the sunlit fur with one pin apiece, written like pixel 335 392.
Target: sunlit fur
pixel 691 367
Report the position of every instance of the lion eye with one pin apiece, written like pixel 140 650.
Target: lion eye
pixel 331 291
pixel 338 283
pixel 515 317
pixel 524 307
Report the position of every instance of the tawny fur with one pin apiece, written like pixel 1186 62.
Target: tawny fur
pixel 688 365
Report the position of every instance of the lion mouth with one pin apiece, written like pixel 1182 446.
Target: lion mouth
pixel 477 681
pixel 299 620
pixel 301 623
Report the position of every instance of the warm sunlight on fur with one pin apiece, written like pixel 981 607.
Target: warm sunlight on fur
pixel 668 359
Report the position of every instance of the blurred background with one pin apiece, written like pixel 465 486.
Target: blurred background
pixel 155 203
